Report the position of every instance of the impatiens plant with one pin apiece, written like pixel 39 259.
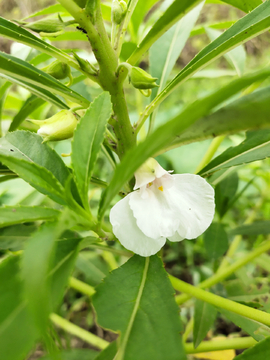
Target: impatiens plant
pixel 97 172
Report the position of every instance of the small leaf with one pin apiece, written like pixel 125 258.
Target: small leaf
pixel 215 241
pixel 88 138
pixel 10 215
pixel 142 309
pixel 261 351
pixel 205 315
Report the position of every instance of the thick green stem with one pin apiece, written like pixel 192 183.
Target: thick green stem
pixel 108 63
pixel 221 302
pixel 79 332
pixel 218 277
pixel 217 345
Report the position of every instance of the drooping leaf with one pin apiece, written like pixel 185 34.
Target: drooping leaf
pixel 88 138
pixel 243 30
pixel 261 351
pixel 256 146
pixel 26 73
pixel 173 13
pixel 164 136
pixel 253 328
pixel 35 162
pixel 204 317
pixel 10 215
pixel 147 332
pixel 215 241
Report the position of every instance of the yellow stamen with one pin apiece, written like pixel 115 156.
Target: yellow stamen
pixel 160 188
pixel 150 184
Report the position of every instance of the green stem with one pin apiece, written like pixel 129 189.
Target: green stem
pixel 188 330
pixel 81 287
pixel 108 64
pixel 210 152
pixel 221 302
pixel 217 345
pixel 219 276
pixel 79 332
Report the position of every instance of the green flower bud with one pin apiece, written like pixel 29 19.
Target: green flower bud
pixel 58 70
pixel 140 79
pixel 85 65
pixel 119 9
pixel 58 127
pixel 45 26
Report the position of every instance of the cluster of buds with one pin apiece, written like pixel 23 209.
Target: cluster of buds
pixel 60 126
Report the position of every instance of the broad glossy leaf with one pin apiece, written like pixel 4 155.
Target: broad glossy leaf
pixel 30 105
pixel 14 32
pixel 14 237
pixel 256 228
pixel 249 112
pixel 167 133
pixel 251 25
pixel 10 215
pixel 38 91
pixel 257 144
pixel 87 141
pixel 142 309
pixel 204 317
pixel 26 73
pixel 253 328
pixel 215 241
pixel 35 162
pixel 261 351
pixel 236 57
pixel 173 13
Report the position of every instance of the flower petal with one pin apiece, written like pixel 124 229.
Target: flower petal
pixel 194 199
pixel 153 212
pixel 176 237
pixel 148 172
pixel 128 233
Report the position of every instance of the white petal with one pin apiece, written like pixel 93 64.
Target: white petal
pixel 148 172
pixel 153 212
pixel 176 237
pixel 128 233
pixel 194 199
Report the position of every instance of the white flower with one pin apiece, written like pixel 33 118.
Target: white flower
pixel 175 207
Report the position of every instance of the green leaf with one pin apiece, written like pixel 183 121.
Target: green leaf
pixel 236 57
pixel 164 136
pixel 174 13
pixel 141 9
pixel 26 73
pixel 215 241
pixel 253 328
pixel 30 105
pixel 204 317
pixel 251 25
pixel 53 9
pixel 256 228
pixel 248 112
pixel 256 146
pixel 108 353
pixel 88 138
pixel 225 192
pixel 38 91
pixel 16 33
pixel 261 351
pixel 35 162
pixel 142 309
pixel 247 5
pixel 10 215
pixel 16 324
pixel 14 237
pixel 172 44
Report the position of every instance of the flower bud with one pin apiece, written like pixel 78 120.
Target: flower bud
pixel 45 26
pixel 58 70
pixel 140 79
pixel 58 127
pixel 85 65
pixel 119 9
